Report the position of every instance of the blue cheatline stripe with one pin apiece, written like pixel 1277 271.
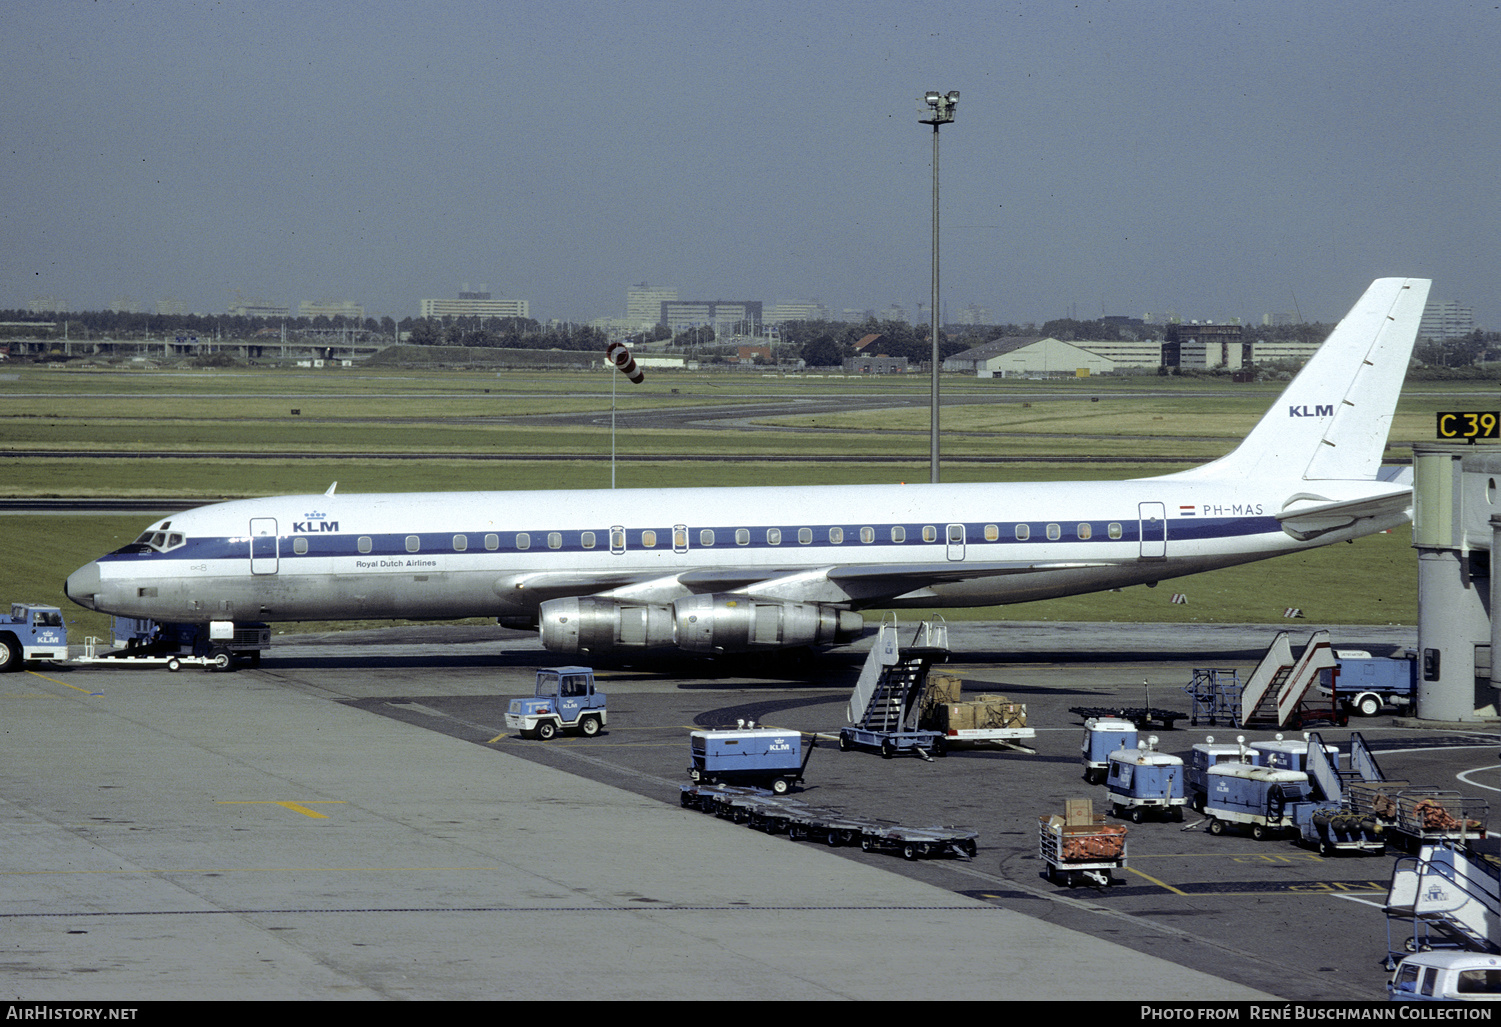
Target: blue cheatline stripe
pixel 392 545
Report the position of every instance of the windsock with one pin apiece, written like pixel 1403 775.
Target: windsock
pixel 621 357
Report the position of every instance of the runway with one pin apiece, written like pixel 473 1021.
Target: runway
pixel 348 822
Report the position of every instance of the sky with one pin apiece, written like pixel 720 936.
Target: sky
pixel 1209 158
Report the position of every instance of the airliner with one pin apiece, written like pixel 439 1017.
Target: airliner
pixel 738 570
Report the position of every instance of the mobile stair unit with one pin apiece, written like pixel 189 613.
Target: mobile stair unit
pixel 1278 688
pixel 1446 896
pixel 884 709
pixel 1335 825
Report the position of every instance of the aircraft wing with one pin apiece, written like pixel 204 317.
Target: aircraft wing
pixel 834 584
pixel 1304 522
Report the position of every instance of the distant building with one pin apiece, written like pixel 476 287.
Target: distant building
pixel 722 314
pixel 258 308
pixel 475 304
pixel 1205 346
pixel 171 306
pixel 1271 351
pixel 46 305
pixel 876 365
pixel 1125 352
pixel 1443 319
pixel 347 309
pixel 974 314
pixel 1028 354
pixel 811 310
pixel 643 303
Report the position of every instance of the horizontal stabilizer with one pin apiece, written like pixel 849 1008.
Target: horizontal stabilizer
pixel 1311 517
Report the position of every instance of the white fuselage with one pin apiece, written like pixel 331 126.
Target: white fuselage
pixel 446 555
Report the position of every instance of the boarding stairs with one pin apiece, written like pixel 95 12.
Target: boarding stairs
pixel 1450 895
pixel 1279 684
pixel 886 695
pixel 1330 778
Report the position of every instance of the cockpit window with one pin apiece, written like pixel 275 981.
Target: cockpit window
pixel 157 541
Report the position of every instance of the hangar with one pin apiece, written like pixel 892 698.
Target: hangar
pixel 1029 355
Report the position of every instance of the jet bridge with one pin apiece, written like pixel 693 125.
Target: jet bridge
pixel 1455 529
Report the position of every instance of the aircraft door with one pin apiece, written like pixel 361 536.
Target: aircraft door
pixel 956 541
pixel 1153 530
pixel 263 545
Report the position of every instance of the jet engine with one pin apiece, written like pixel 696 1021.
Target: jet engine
pixel 722 623
pixel 733 623
pixel 594 625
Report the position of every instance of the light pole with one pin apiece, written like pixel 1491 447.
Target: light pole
pixel 937 109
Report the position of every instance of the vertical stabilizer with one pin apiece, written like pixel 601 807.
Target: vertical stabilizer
pixel 1332 420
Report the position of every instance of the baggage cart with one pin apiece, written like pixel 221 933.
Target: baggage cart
pixel 1085 850
pixel 1332 828
pixel 1418 816
pixel 920 842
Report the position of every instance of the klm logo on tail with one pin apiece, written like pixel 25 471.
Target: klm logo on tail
pixel 1319 410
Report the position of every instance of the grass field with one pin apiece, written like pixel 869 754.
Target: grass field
pixel 448 415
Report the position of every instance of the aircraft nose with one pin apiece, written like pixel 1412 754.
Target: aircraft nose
pixel 82 585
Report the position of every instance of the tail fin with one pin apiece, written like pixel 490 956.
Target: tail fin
pixel 1331 422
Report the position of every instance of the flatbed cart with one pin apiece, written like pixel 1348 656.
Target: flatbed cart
pixel 921 842
pixel 890 743
pixel 1141 716
pixel 1332 828
pixel 830 826
pixel 144 656
pixel 1075 852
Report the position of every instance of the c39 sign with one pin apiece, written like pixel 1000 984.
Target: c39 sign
pixel 1469 424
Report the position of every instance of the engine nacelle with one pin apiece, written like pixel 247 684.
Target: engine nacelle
pixel 590 624
pixel 732 623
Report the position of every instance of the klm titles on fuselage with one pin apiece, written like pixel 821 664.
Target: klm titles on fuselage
pixel 312 527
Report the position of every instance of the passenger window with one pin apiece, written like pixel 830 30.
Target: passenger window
pixel 804 536
pixel 492 542
pixel 742 536
pixel 460 543
pixel 617 540
pixel 773 536
pixel 706 537
pixel 413 543
pixel 365 544
pixel 992 532
pixel 587 540
pixel 898 533
pixel 554 540
pixel 1023 532
pixel 648 538
pixel 299 546
pixel 929 533
pixel 956 534
pixel 1115 529
pixel 836 536
pixel 680 538
pixel 1085 531
pixel 1054 533
pixel 523 540
pixel 867 535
